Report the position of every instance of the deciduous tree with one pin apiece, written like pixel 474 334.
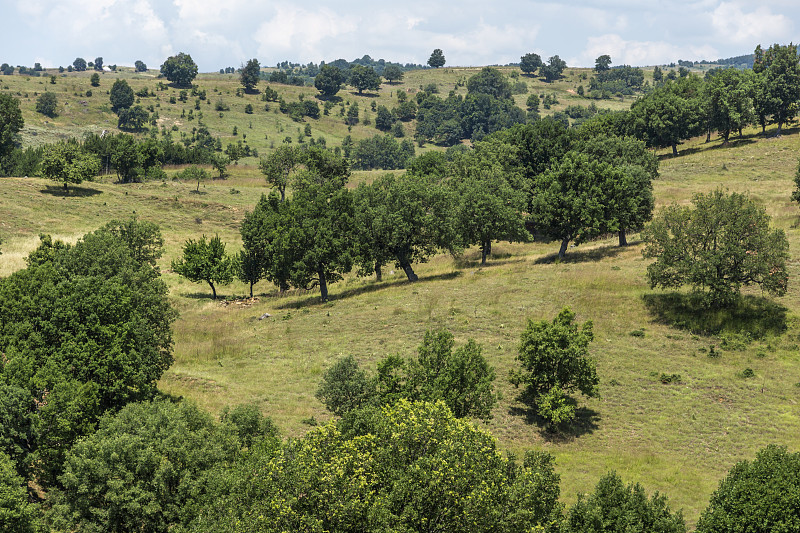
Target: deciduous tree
pixel 250 75
pixel 393 74
pixel 179 69
pixel 530 63
pixel 205 261
pixel 364 78
pixel 329 80
pixel 11 123
pixel 121 95
pixel 68 163
pixel 602 63
pixel 47 104
pixel 79 64
pixel 437 58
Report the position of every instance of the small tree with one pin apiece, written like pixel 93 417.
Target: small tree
pixel 393 74
pixel 328 80
pixel 179 69
pixel 345 387
pixel 94 80
pixel 530 63
pixel 364 78
pixel 79 64
pixel 250 267
pixel 17 515
pixel 47 104
pixel 279 165
pixel 133 119
pixel 555 355
pixel 68 163
pixel 205 261
pixel 720 244
pixel 121 95
pixel 437 58
pixel 98 63
pixel 553 69
pixel 193 173
pixel 757 496
pixel 250 75
pixel 602 63
pixel 140 66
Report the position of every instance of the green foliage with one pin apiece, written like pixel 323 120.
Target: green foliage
pixel 778 95
pixel 121 95
pixel 364 78
pixel 393 73
pixel 79 64
pixel 17 427
pixel 602 63
pixel 250 74
pixel 437 58
pixel 555 355
pixel 67 162
pixel 179 69
pixel 489 81
pixel 140 66
pixel 144 469
pixel 382 151
pixel 614 507
pixel 553 69
pixel 11 123
pixel 345 387
pixel 47 104
pixel 133 119
pixel 729 98
pixel 17 515
pixel 279 165
pixel 94 80
pixel 205 261
pixel 717 246
pixel 756 496
pixel 384 119
pixel 193 173
pixel 530 63
pixel 329 80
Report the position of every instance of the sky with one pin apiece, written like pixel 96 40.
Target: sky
pixel 221 33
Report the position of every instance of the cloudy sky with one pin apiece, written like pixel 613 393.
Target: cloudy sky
pixel 219 33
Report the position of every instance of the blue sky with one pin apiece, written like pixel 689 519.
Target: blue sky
pixel 220 33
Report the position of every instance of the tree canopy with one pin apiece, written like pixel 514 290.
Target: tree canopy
pixel 179 69
pixel 602 63
pixel 205 261
pixel 328 80
pixel 121 95
pixel 11 123
pixel 718 245
pixel 364 78
pixel 781 72
pixel 68 163
pixel 437 58
pixel 530 63
pixel 250 75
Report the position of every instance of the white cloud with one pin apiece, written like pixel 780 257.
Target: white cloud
pixel 731 23
pixel 299 33
pixel 639 53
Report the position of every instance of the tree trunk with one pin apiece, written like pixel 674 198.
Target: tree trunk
pixel 65 187
pixel 708 136
pixel 483 255
pixel 283 193
pixel 213 291
pixel 623 240
pixel 675 149
pixel 251 289
pixel 779 129
pixel 406 266
pixel 323 284
pixel 283 285
pixel 563 249
pixel 378 273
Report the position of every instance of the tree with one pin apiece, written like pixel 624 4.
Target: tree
pixel 133 119
pixel 756 496
pixel 530 63
pixel 658 74
pixel 17 515
pixel 144 469
pixel 553 69
pixel 98 63
pixel 555 358
pixel 345 387
pixel 720 244
pixel 47 104
pixel 140 66
pixel 94 80
pixel 393 74
pixel 121 95
pixel 570 201
pixel 193 173
pixel 126 157
pixel 205 261
pixel 437 58
pixel 79 64
pixel 250 74
pixel 384 119
pixel 328 80
pixel 179 69
pixel 11 124
pixel 730 104
pixel 279 165
pixel 69 163
pixel 262 236
pixel 489 81
pixel 781 70
pixel 614 507
pixel 352 115
pixel 364 78
pixel 602 63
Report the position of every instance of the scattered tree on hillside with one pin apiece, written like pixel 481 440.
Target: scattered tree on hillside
pixel 98 63
pixel 179 69
pixel 602 63
pixel 781 71
pixel 437 58
pixel 393 74
pixel 718 245
pixel 79 64
pixel 121 95
pixel 133 119
pixel 555 362
pixel 262 233
pixel 140 66
pixel 94 80
pixel 279 165
pixel 329 80
pixel 47 104
pixel 729 99
pixel 11 124
pixel 553 69
pixel 491 82
pixel 364 78
pixel 250 74
pixel 68 163
pixel 205 261
pixel 756 496
pixel 530 63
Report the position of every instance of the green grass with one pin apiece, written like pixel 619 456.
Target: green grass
pixel 679 438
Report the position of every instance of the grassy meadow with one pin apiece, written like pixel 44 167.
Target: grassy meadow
pixel 678 438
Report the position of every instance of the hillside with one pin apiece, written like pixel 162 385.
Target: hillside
pixel 677 438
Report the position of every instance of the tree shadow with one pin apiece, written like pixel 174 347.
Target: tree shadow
pixel 755 316
pixel 366 289
pixel 365 94
pixel 335 98
pixel 586 422
pixel 585 256
pixel 72 192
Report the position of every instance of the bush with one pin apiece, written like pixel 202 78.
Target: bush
pixel 756 496
pixel 345 387
pixel 47 104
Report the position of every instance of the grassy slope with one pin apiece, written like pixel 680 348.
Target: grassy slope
pixel 679 438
